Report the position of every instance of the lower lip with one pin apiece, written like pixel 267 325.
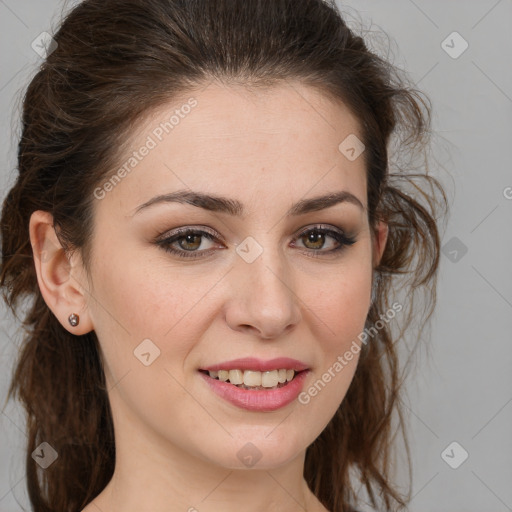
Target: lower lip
pixel 258 399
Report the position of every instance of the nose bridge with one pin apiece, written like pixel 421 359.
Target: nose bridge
pixel 266 294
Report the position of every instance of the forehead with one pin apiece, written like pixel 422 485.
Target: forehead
pixel 282 141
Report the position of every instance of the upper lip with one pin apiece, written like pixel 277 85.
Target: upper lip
pixel 253 363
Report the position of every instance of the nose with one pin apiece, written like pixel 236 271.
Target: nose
pixel 264 301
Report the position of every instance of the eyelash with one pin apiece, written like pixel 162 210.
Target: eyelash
pixel 165 244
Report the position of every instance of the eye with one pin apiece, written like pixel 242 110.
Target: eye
pixel 189 241
pixel 314 239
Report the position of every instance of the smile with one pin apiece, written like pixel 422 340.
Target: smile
pixel 264 392
pixel 253 379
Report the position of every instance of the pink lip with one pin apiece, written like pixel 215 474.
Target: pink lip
pixel 256 399
pixel 252 363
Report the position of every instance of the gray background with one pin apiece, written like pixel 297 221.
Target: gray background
pixel 462 390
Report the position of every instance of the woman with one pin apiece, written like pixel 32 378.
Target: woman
pixel 206 220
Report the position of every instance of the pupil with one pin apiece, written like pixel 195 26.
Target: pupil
pixel 313 236
pixel 190 237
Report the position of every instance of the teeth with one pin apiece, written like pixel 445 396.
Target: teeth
pixel 236 376
pixel 269 379
pixel 254 379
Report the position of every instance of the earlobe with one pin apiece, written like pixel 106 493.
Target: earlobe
pixel 58 276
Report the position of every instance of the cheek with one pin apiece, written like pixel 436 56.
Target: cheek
pixel 343 310
pixel 341 304
pixel 146 298
pixel 340 313
pixel 136 302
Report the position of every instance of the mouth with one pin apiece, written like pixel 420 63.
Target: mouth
pixel 254 384
pixel 255 380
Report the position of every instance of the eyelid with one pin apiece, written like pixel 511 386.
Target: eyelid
pixel 320 226
pixel 184 230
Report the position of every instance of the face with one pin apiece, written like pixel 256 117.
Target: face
pixel 177 288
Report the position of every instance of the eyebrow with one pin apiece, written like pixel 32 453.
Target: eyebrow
pixel 233 207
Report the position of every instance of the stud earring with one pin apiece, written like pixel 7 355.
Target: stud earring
pixel 73 319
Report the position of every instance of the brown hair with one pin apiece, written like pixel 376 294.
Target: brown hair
pixel 116 61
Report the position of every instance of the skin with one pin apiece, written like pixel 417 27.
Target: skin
pixel 177 441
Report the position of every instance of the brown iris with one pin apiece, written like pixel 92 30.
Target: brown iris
pixel 187 239
pixel 314 237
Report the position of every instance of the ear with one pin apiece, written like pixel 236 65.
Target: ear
pixel 381 238
pixel 60 276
